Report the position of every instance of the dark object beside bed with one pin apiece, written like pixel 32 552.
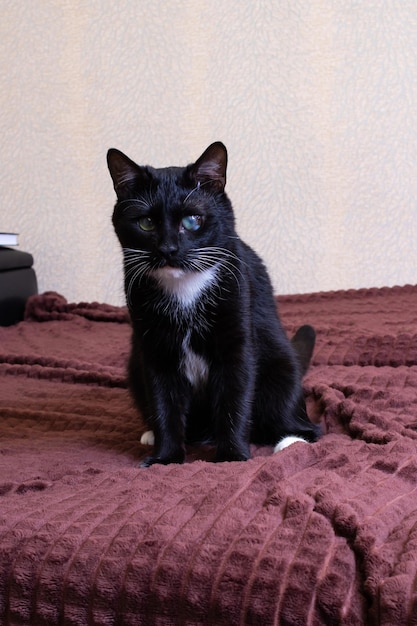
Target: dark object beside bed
pixel 17 283
pixel 317 534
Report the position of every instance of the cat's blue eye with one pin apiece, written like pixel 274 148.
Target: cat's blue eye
pixel 192 222
pixel 146 224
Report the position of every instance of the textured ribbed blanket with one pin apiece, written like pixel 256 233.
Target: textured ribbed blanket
pixel 316 534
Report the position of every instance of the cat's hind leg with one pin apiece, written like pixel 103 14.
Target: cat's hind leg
pixel 288 441
pixel 279 415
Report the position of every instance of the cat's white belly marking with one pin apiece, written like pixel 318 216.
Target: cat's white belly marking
pixel 185 286
pixel 194 366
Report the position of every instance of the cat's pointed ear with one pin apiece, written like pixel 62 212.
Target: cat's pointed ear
pixel 210 168
pixel 124 172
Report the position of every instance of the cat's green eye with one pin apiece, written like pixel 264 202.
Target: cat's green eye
pixel 192 222
pixel 146 224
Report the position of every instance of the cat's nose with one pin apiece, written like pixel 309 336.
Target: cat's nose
pixel 169 251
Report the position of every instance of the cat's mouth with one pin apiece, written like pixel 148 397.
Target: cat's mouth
pixel 186 285
pixel 169 270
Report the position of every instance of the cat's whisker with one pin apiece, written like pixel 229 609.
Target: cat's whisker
pixel 132 260
pixel 137 275
pixel 212 255
pixel 134 251
pixel 198 186
pixel 142 203
pixel 136 264
pixel 131 266
pixel 225 252
pixel 123 180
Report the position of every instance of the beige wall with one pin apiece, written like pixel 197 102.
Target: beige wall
pixel 316 101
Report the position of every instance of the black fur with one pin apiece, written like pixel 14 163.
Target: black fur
pixel 249 383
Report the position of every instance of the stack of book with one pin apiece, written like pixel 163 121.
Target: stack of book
pixel 17 280
pixel 8 239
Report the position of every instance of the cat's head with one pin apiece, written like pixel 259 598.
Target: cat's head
pixel 173 217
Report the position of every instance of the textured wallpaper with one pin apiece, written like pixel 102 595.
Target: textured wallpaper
pixel 315 100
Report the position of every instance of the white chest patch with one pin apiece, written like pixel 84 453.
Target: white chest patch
pixel 195 367
pixel 185 286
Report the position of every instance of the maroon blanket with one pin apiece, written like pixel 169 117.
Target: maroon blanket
pixel 317 534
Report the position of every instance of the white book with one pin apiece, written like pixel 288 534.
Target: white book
pixel 8 239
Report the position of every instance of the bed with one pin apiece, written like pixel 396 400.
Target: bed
pixel 322 533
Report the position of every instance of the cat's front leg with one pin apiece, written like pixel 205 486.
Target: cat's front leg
pixel 232 408
pixel 166 418
pixel 232 451
pixel 161 397
pixel 168 444
pixel 178 456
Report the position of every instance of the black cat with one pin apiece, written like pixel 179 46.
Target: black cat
pixel 210 361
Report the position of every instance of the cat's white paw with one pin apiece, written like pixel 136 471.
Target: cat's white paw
pixel 148 438
pixel 287 441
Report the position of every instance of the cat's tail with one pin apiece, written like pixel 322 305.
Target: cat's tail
pixel 303 342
